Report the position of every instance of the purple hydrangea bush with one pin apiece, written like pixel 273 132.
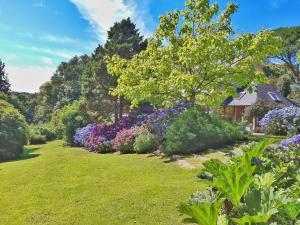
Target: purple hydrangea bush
pixel 160 120
pixel 98 137
pixel 282 121
pixel 115 136
pixel 292 142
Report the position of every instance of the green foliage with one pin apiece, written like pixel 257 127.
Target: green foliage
pixel 193 56
pixel 259 110
pixel 204 213
pixel 196 130
pixel 145 143
pixel 295 93
pixel 125 41
pixel 290 37
pixel 13 132
pixel 249 198
pixel 4 84
pixel 26 103
pixel 67 120
pixel 44 130
pixel 37 139
pixel 63 88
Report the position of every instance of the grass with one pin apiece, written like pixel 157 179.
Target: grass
pixel 57 185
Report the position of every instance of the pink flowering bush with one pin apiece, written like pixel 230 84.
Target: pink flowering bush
pixel 124 140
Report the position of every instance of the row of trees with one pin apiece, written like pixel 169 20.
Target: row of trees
pixel 193 56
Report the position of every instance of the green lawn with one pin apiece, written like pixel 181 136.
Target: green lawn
pixel 58 185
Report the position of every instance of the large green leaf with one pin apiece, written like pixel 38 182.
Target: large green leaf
pixel 291 209
pixel 203 214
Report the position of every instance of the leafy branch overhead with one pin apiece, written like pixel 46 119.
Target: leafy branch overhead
pixel 193 56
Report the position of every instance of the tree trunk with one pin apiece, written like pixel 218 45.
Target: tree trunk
pixel 121 105
pixel 295 73
pixel 116 112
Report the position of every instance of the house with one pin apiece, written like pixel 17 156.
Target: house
pixel 233 108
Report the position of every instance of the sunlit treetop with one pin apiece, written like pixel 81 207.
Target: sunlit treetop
pixel 193 56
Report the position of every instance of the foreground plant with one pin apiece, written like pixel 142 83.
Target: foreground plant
pixel 245 192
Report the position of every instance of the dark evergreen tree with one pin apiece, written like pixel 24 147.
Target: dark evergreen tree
pixel 4 84
pixel 123 39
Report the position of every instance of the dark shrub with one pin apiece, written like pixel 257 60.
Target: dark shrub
pixel 37 139
pixel 195 130
pixel 13 132
pixel 145 143
pixel 42 130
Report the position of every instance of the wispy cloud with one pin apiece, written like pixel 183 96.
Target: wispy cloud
pixel 102 16
pixel 28 79
pixel 47 60
pixel 54 52
pixel 39 4
pixel 276 3
pixel 59 39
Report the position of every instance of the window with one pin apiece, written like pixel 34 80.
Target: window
pixel 274 97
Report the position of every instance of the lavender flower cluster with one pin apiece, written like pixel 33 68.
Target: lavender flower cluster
pixel 291 142
pixel 282 121
pixel 160 120
pixel 99 137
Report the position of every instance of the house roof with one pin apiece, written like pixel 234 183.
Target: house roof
pixel 263 92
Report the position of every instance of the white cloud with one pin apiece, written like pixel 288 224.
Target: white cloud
pixel 47 60
pixel 102 15
pixel 62 54
pixel 28 79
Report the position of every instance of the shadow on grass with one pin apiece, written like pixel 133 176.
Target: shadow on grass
pixel 27 154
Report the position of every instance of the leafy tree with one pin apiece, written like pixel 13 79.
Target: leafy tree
pixel 64 87
pixel 26 103
pixel 193 56
pixel 67 120
pixel 291 45
pixel 4 84
pixel 125 41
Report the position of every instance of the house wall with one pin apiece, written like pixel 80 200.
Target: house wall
pixel 233 113
pixel 239 113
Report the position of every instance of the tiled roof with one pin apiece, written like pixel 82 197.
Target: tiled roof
pixel 261 93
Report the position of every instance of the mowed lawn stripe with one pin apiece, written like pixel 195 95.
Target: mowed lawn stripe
pixel 55 184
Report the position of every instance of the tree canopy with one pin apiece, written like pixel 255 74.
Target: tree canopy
pixel 291 45
pixel 125 41
pixel 193 56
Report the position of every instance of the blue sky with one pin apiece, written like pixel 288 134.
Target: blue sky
pixel 36 35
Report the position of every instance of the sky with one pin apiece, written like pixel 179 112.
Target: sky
pixel 36 35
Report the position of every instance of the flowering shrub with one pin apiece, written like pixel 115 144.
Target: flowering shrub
pixel 124 140
pixel 98 137
pixel 160 120
pixel 82 134
pixel 282 121
pixel 291 142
